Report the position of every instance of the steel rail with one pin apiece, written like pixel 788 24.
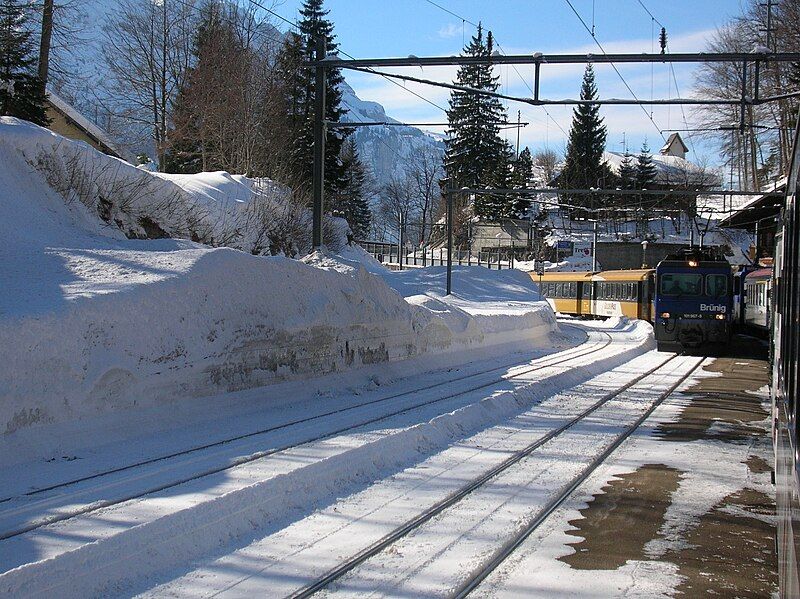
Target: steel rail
pixel 93 507
pixel 506 550
pixel 439 507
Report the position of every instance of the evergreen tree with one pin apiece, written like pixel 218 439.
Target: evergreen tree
pixel 203 105
pixel 520 179
pixel 584 166
pixel 627 172
pixel 645 177
pixel 476 155
pixel 21 92
pixel 351 201
pixel 301 95
pixel 645 168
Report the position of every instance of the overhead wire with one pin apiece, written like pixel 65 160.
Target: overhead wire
pixel 499 47
pixel 613 66
pixel 653 18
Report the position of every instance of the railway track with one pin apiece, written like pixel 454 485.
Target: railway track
pixel 46 498
pixel 511 544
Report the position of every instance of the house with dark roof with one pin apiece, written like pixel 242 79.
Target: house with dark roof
pixel 66 120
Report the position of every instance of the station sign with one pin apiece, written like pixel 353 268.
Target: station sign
pixel 582 248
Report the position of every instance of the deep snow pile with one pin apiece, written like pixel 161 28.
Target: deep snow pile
pixel 219 209
pixel 91 321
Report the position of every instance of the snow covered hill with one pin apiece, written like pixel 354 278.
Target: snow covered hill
pixel 95 319
pixel 388 149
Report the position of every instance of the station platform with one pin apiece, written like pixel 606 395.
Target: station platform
pixel 687 506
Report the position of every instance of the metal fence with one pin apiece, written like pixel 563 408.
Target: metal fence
pixel 391 255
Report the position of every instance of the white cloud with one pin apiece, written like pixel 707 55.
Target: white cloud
pixel 450 31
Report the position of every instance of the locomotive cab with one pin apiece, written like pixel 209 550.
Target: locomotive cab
pixel 694 300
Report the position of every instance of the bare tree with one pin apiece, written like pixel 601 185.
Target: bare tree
pixel 545 161
pixel 147 48
pixel 424 173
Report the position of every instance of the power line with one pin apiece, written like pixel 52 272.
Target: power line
pixel 613 66
pixel 499 47
pixel 295 26
pixel 672 70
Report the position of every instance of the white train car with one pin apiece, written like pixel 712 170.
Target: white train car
pixel 757 299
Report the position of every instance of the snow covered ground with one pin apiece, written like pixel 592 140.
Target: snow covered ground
pixel 375 430
pixel 93 322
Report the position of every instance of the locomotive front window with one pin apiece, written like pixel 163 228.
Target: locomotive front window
pixel 681 284
pixel 716 285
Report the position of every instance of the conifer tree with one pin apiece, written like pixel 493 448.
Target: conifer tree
pixel 584 166
pixel 645 168
pixel 521 177
pixel 21 92
pixel 301 96
pixel 351 200
pixel 645 177
pixel 476 155
pixel 627 172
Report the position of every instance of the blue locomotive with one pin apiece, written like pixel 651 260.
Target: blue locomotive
pixel 693 300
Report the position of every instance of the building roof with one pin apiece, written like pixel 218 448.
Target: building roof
pixel 84 124
pixel 767 205
pixel 670 170
pixel 672 139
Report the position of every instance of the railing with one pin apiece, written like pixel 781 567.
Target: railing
pixel 390 254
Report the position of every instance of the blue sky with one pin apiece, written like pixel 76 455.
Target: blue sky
pixel 400 28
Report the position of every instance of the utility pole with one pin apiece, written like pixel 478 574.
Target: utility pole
pixel 449 194
pixel 318 181
pixel 594 245
pixel 44 47
pixel 519 124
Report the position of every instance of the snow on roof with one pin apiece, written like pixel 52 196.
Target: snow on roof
pixel 669 169
pixel 84 123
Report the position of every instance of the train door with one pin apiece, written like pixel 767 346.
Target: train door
pixel 585 298
pixel 646 298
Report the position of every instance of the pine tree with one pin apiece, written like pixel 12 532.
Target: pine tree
pixel 351 201
pixel 476 155
pixel 301 96
pixel 21 92
pixel 645 177
pixel 203 105
pixel 521 177
pixel 627 172
pixel 584 166
pixel 645 168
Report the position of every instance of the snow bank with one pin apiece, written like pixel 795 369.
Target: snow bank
pixel 92 321
pixel 219 209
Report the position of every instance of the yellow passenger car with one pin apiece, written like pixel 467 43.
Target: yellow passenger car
pixel 567 292
pixel 623 293
pixel 603 294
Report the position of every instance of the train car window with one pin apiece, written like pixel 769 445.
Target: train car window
pixel 573 290
pixel 737 285
pixel 681 284
pixel 717 285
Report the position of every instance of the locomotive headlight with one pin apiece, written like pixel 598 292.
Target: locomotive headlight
pixel 665 315
pixel 692 262
pixel 720 317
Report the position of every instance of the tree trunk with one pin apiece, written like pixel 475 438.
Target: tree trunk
pixel 44 47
